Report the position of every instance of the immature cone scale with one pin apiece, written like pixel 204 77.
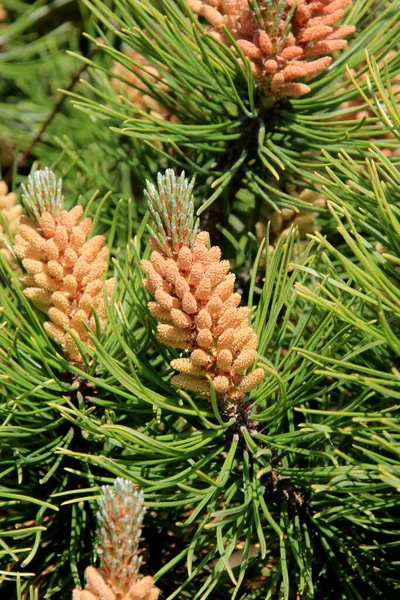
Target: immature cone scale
pixel 119 529
pixel 11 212
pixel 195 303
pixel 284 40
pixel 65 270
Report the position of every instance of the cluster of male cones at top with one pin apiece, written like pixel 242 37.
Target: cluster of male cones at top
pixel 284 41
pixel 194 299
pixel 119 527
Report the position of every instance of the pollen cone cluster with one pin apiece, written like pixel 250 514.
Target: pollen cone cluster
pixel 284 40
pixel 11 212
pixel 135 90
pixel 362 112
pixel 65 270
pixel 194 299
pixel 119 529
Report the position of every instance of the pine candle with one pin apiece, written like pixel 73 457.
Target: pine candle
pixel 120 519
pixel 65 270
pixel 194 299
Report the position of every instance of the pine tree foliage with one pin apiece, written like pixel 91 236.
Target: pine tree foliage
pixel 34 66
pixel 293 491
pixel 225 106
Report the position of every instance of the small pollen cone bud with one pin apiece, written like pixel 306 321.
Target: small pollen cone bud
pixel 250 381
pixel 120 519
pixel 200 312
pixel 284 41
pixel 65 270
pixel 10 212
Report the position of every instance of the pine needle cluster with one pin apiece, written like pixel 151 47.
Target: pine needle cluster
pixel 361 110
pixel 127 81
